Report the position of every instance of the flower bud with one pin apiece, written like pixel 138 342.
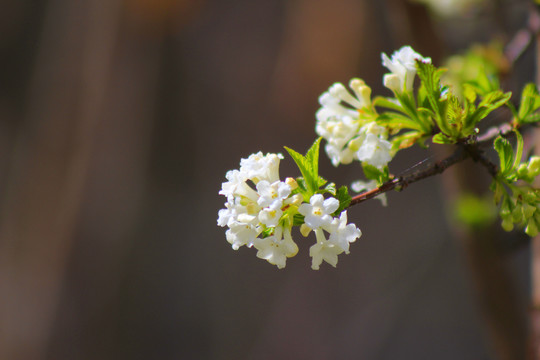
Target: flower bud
pixel 523 171
pixel 531 197
pixel 361 90
pixel 305 230
pixel 532 228
pixel 296 199
pixel 534 166
pixel 528 210
pixel 292 183
pixel 393 82
pixel 517 214
pixel 505 209
pixel 507 223
pixel 355 144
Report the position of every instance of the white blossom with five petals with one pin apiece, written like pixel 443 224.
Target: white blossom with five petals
pixel 318 212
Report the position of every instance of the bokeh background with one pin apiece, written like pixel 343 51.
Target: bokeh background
pixel 118 122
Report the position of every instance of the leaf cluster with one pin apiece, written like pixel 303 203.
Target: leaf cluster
pixel 311 183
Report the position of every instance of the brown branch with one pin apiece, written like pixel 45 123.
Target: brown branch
pixel 463 152
pixel 477 155
pixel 519 43
pixel 403 181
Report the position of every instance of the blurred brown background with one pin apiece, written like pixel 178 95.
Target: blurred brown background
pixel 118 121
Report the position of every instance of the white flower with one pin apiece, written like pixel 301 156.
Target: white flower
pixel 375 151
pixel 276 249
pixel 337 132
pixel 227 216
pixel 402 65
pixel 259 167
pixel 339 155
pixel 270 216
pixel 323 250
pixel 318 212
pixel 237 186
pixel 271 194
pixel 240 234
pixel 371 145
pixel 243 215
pixel 342 234
pixel 393 82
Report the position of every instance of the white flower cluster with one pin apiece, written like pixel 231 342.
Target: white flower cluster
pixel 317 217
pixel 347 121
pixel 262 217
pixel 348 133
pixel 248 212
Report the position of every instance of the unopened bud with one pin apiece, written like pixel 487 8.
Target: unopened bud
pixel 362 91
pixel 528 210
pixel 305 230
pixel 297 199
pixel 523 171
pixel 532 228
pixel 517 214
pixel 291 182
pixel 534 166
pixel 507 223
pixel 393 82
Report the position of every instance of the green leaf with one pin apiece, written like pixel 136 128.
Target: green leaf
pixel 506 154
pixel 312 156
pixel 330 188
pixel 455 117
pixel 406 99
pixel 344 199
pixel 430 77
pixel 532 118
pixel 373 173
pixel 406 140
pixel 498 191
pixel 530 102
pixel 469 93
pixel 519 150
pixel 302 189
pixel 396 121
pixel 490 102
pixel 309 166
pixel 386 103
pixel 321 182
pixel 303 165
pixel 441 138
pixel 267 232
pixel 298 219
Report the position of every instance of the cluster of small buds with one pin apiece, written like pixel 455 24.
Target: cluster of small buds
pixel 523 210
pixel 530 170
pixel 403 69
pixel 347 124
pixel 263 217
pixel 522 207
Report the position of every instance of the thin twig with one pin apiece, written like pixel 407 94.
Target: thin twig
pixel 403 181
pixel 477 155
pixel 463 152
